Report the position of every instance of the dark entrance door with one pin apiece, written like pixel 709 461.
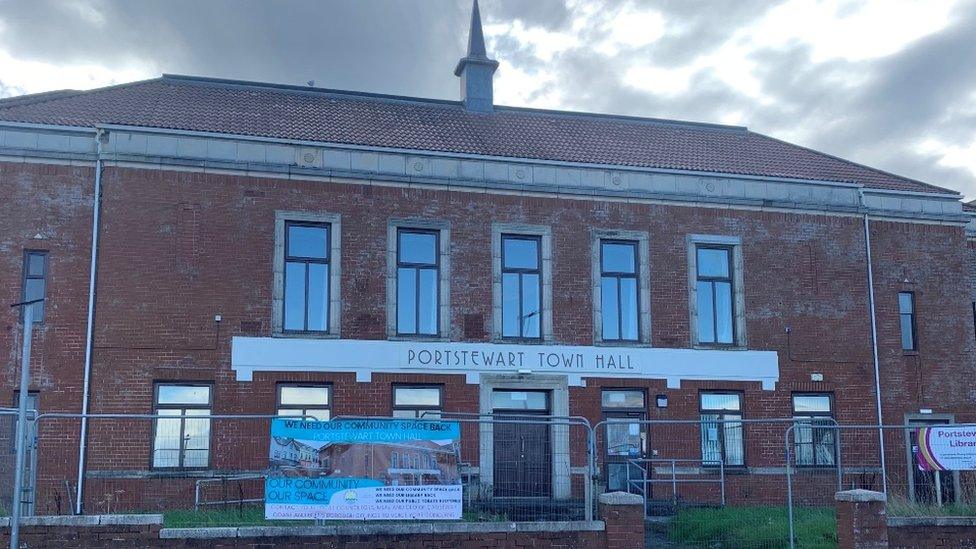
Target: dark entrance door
pixel 522 451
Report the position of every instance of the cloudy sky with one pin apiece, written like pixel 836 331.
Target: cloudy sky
pixel 890 83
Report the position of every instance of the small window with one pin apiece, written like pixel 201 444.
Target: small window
pixel 619 290
pixel 714 294
pixel 813 433
pixel 35 282
pixel 906 313
pixel 417 402
pixel 418 272
pixel 616 399
pixel 306 306
pixel 521 286
pixel 506 400
pixel 305 400
pixel 182 442
pixel 721 425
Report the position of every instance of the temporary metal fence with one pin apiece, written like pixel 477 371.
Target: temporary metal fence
pixel 825 458
pixel 8 458
pixel 207 470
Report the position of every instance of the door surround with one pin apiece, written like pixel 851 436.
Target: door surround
pixel 558 388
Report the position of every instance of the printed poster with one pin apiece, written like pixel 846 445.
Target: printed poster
pixel 946 448
pixel 363 470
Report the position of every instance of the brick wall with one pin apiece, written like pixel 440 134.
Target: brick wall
pixel 905 532
pixel 180 247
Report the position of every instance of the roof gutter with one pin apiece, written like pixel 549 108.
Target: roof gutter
pixel 100 136
pixel 874 343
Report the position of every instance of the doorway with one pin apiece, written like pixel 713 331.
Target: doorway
pixel 929 487
pixel 624 410
pixel 522 451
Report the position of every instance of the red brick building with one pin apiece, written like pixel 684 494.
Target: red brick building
pixel 265 248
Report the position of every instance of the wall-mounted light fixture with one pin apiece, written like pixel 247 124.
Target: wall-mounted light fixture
pixel 662 401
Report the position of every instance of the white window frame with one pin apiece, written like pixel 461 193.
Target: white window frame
pixel 335 272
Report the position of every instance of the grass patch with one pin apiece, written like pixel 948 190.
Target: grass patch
pixel 254 516
pixel 754 527
pixel 902 508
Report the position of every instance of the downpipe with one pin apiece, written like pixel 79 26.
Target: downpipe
pixel 874 344
pixel 100 136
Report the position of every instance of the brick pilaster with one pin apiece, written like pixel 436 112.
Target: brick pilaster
pixel 623 514
pixel 861 521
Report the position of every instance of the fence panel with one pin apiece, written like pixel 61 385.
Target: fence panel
pixel 209 470
pixel 715 482
pixel 8 457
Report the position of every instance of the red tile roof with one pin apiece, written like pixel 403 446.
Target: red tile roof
pixel 329 116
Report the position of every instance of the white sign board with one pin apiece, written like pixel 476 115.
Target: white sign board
pixel 271 354
pixel 946 448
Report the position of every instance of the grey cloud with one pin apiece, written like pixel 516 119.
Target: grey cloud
pixel 410 47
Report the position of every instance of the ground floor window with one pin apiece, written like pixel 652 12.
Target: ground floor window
pixel 314 401
pixel 813 432
pixel 721 429
pixel 182 442
pixel 416 401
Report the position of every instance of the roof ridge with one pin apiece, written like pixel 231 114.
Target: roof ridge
pixel 853 163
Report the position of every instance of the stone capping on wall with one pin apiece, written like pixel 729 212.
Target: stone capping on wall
pixel 909 522
pixel 380 529
pixel 197 151
pixel 86 520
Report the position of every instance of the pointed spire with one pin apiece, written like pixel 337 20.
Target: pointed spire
pixel 476 69
pixel 476 37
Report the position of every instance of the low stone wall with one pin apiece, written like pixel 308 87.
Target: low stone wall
pixel 622 528
pixel 932 531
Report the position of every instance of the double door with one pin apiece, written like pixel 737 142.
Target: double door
pixel 522 446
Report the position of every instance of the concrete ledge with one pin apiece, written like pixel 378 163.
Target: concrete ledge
pixel 896 522
pixel 859 496
pixel 621 498
pixel 381 529
pixel 87 520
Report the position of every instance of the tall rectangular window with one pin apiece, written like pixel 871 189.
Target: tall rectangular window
pixel 418 273
pixel 521 286
pixel 813 433
pixel 182 442
pixel 305 400
pixel 716 317
pixel 721 429
pixel 306 306
pixel 35 281
pixel 618 290
pixel 415 401
pixel 906 314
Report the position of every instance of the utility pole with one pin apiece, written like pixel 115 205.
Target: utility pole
pixel 28 308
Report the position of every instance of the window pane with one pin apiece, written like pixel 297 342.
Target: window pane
pixel 628 308
pixel 623 438
pixel 711 441
pixel 907 337
pixel 618 258
pixel 294 296
pixel 706 313
pixel 520 253
pixel 530 305
pixel 290 394
pixel 623 399
pixel 34 289
pixel 166 442
pixel 732 431
pixel 35 264
pixel 905 304
pixel 428 301
pixel 318 297
pixel 310 242
pixel 418 248
pixel 407 301
pixel 183 394
pixel 510 305
pixel 417 396
pixel 723 312
pixel 811 403
pixel 609 311
pixel 713 262
pixel 520 400
pixel 718 401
